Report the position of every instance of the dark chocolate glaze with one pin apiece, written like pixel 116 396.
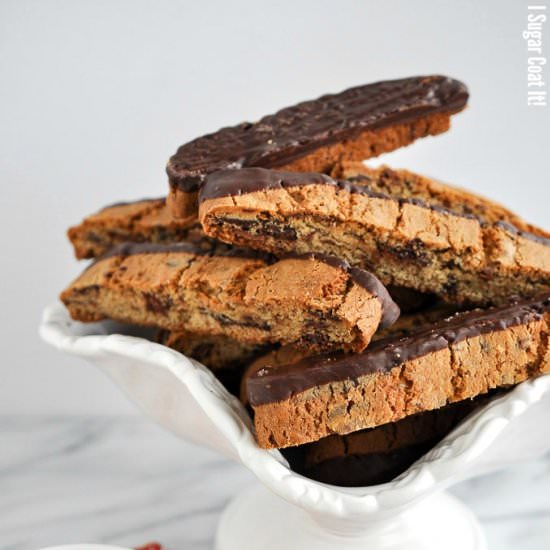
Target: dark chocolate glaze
pixel 390 310
pixel 225 183
pixel 293 132
pixel 272 384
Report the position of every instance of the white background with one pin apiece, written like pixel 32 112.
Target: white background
pixel 95 96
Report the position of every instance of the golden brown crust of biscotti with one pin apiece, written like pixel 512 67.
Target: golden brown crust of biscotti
pixel 313 301
pixel 403 184
pixel 458 369
pixel 146 220
pixel 405 241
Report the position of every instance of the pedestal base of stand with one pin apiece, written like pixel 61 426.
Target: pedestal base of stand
pixel 259 519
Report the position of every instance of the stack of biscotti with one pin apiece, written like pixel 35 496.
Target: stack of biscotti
pixel 282 262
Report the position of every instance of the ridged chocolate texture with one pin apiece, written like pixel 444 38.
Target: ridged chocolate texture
pixel 293 132
pixel 270 385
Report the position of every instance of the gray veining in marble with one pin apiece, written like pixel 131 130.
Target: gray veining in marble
pixel 124 481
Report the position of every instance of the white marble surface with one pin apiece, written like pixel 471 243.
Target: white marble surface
pixel 122 480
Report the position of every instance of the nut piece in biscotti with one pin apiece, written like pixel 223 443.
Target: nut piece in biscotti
pixel 312 300
pixel 356 124
pixel 146 220
pixel 458 358
pixel 405 241
pixel 378 455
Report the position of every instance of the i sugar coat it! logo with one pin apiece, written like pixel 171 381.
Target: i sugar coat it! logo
pixel 536 61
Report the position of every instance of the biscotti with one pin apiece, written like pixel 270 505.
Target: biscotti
pixel 378 455
pixel 146 220
pixel 407 185
pixel 356 124
pixel 404 241
pixel 313 300
pixel 217 352
pixel 458 358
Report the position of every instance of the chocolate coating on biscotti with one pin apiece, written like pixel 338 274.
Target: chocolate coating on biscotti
pixel 293 132
pixel 276 384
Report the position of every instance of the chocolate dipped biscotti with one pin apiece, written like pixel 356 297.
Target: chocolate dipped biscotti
pixel 458 358
pixel 312 300
pixel 356 124
pixel 408 230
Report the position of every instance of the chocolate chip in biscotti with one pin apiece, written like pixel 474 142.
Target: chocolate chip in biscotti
pixel 408 230
pixel 378 455
pixel 461 357
pixel 356 124
pixel 146 220
pixel 310 300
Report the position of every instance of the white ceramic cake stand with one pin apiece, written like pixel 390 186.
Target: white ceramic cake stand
pixel 286 510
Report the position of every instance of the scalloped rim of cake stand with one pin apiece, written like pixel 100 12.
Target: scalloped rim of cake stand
pixel 444 465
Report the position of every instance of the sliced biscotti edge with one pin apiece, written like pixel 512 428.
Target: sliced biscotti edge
pixel 404 184
pixel 146 220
